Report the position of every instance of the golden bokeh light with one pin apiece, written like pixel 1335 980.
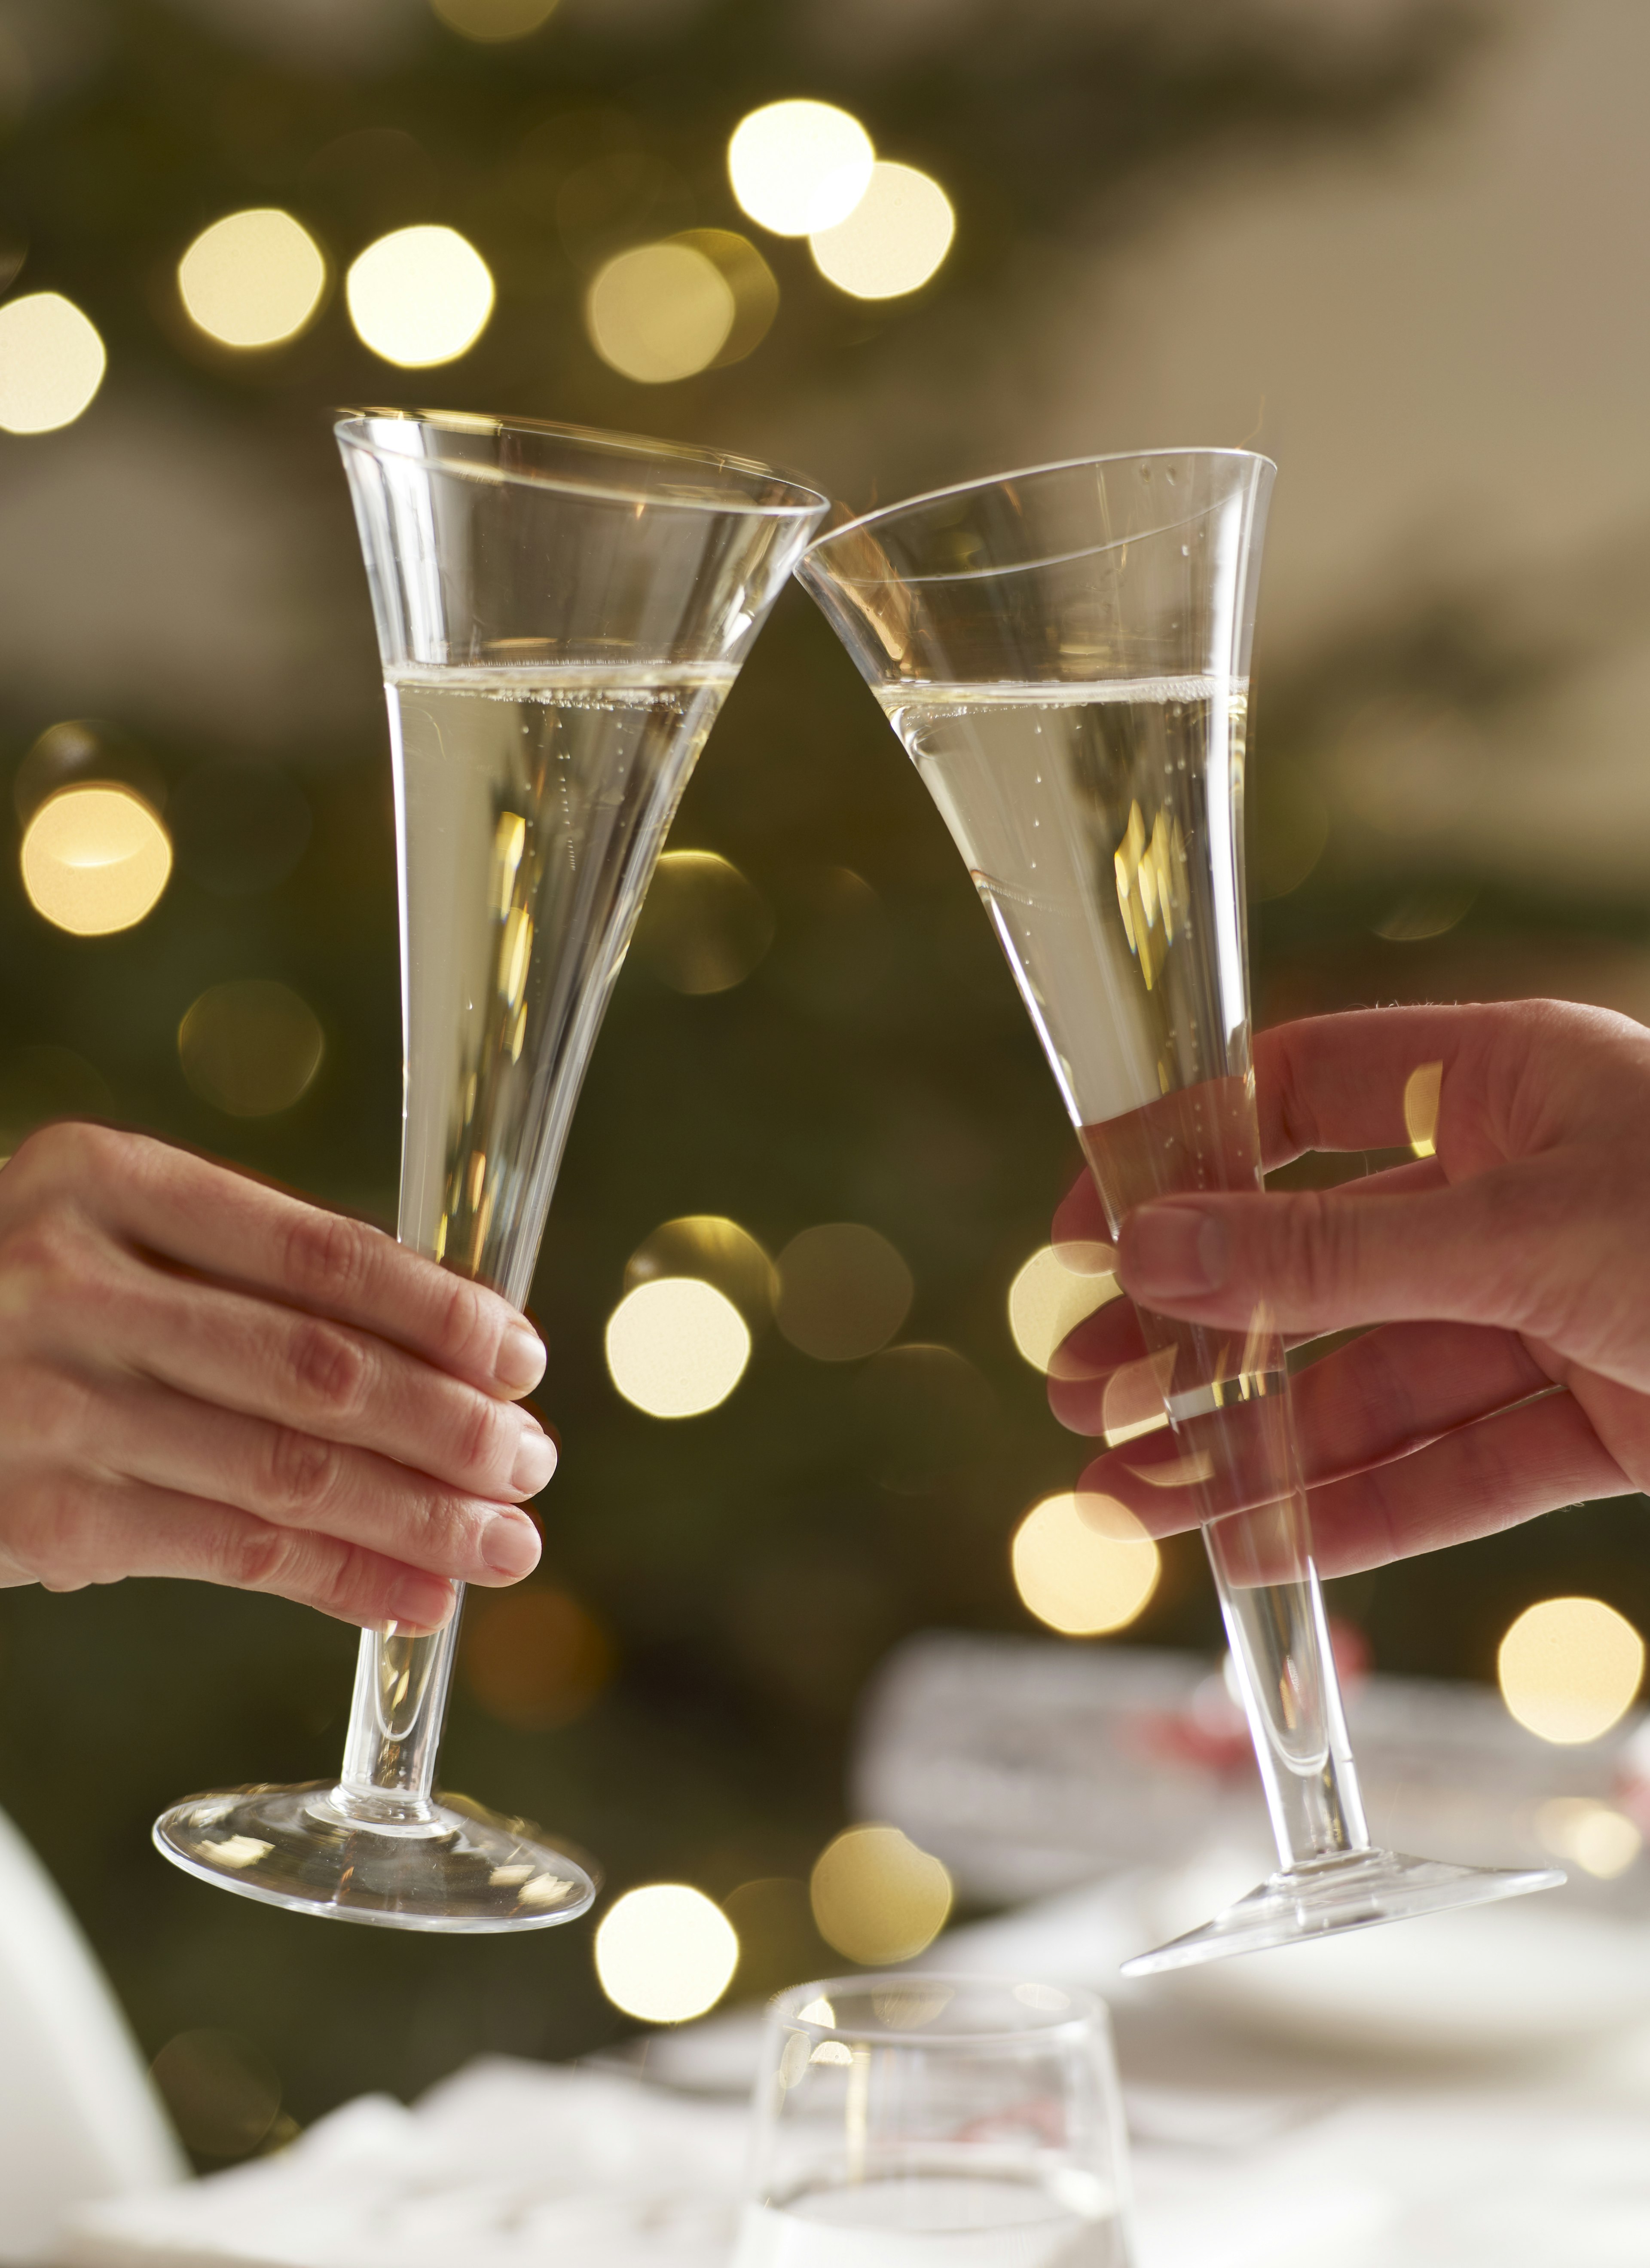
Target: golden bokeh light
pixel 251 1047
pixel 222 2092
pixel 1422 1091
pixel 877 1896
pixel 533 1656
pixel 754 287
pixel 666 1953
pixel 419 295
pixel 676 1347
pixel 252 279
pixel 1570 1669
pixel 799 167
pixel 715 1249
pixel 1049 1298
pixel 704 927
pixel 659 312
pixel 1075 1576
pixel 489 21
pixel 843 1291
pixel 895 237
pixel 52 363
pixel 1596 1837
pixel 95 858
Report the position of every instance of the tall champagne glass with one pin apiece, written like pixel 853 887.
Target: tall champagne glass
pixel 559 614
pixel 1064 653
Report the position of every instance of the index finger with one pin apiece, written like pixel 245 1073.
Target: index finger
pixel 225 1223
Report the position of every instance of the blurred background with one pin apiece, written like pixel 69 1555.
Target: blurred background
pixel 1396 244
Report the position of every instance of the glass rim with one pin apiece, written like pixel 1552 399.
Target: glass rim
pixel 1086 2008
pixel 905 504
pixel 798 501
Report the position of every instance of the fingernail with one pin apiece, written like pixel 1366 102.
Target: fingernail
pixel 510 1544
pixel 423 1605
pixel 535 1460
pixel 519 1362
pixel 1173 1252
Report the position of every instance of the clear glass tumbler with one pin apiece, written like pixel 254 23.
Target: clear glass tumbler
pixel 904 2120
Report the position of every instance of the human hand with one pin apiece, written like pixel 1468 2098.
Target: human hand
pixel 1511 1370
pixel 201 1376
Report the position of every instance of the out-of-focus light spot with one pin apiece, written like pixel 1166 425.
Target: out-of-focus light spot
pixel 419 295
pixel 1597 1837
pixel 1076 1578
pixel 95 859
pixel 877 1897
pixel 717 1251
pixel 894 238
pixel 1569 1668
pixel 223 2093
pixel 676 1347
pixel 779 1944
pixel 533 1656
pixel 1048 1298
pixel 800 167
pixel 659 312
pixel 703 927
pixel 752 283
pixel 665 1953
pixel 927 1411
pixel 51 363
pixel 1287 827
pixel 252 279
pixel 843 1291
pixel 1423 914
pixel 491 20
pixel 250 1048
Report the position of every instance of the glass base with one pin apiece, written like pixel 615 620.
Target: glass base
pixel 1340 1894
pixel 320 1849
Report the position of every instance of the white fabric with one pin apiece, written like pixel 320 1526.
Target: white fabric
pixel 77 2117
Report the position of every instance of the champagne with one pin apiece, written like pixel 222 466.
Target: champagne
pixel 531 803
pixel 938 2221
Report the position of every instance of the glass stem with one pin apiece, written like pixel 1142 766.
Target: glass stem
pixel 1285 1677
pixel 395 1720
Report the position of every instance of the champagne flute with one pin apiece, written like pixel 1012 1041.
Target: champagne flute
pixel 560 616
pixel 1064 653
pixel 901 2120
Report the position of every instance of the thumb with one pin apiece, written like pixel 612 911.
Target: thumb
pixel 1515 1247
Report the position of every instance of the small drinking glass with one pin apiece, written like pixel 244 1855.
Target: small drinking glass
pixel 901 2120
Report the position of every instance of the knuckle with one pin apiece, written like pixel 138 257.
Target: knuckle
pixel 482 1432
pixel 260 1557
pixel 331 1368
pixel 466 1327
pixel 302 1474
pixel 1316 1248
pixel 52 1518
pixel 324 1254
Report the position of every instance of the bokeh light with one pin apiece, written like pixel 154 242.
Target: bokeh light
pixel 492 20
pixel 1596 1837
pixel 659 312
pixel 877 1896
pixel 419 295
pixel 251 1047
pixel 253 278
pixel 892 242
pixel 533 1656
pixel 754 287
pixel 52 363
pixel 843 1291
pixel 926 1412
pixel 1570 1669
pixel 1049 1298
pixel 779 1940
pixel 676 1347
pixel 222 2092
pixel 95 858
pixel 1077 1577
pixel 703 927
pixel 799 167
pixel 715 1249
pixel 665 1953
